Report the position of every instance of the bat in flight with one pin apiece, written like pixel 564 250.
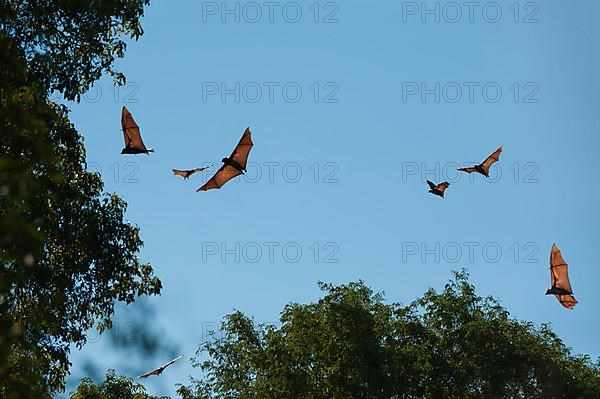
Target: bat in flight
pixel 438 189
pixel 187 173
pixel 133 138
pixel 484 167
pixel 559 277
pixel 233 166
pixel 159 370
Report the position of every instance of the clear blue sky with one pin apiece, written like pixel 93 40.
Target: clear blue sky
pixel 370 136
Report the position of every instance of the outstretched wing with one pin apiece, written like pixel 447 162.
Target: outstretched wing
pixel 148 374
pixel 442 187
pixel 223 175
pixel 164 366
pixel 159 370
pixel 559 277
pixel 242 150
pixel 187 173
pixel 431 184
pixel 495 157
pixel 227 172
pixel 131 131
pixel 468 170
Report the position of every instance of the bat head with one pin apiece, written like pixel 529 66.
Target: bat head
pixel 224 160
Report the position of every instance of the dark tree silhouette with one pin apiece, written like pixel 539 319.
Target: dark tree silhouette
pixel 66 252
pixel 350 344
pixel 69 44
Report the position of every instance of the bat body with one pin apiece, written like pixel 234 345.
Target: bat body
pixel 559 278
pixel 231 162
pixel 438 189
pixel 233 166
pixel 159 370
pixel 484 167
pixel 187 173
pixel 131 133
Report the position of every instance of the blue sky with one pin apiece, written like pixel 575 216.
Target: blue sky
pixel 342 167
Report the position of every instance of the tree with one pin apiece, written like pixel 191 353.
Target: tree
pixel 66 252
pixel 350 344
pixel 69 44
pixel 113 387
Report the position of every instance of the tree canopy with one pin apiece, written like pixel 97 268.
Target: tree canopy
pixel 69 44
pixel 67 254
pixel 350 344
pixel 113 387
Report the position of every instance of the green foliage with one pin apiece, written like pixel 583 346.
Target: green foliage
pixel 69 44
pixel 113 387
pixel 22 144
pixel 66 252
pixel 449 344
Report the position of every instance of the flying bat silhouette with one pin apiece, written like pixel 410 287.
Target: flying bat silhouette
pixel 484 167
pixel 131 132
pixel 187 173
pixel 438 189
pixel 559 277
pixel 233 166
pixel 159 370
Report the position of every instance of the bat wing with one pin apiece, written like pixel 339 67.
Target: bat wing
pixel 131 131
pixel 442 187
pixel 164 366
pixel 559 273
pixel 568 301
pixel 431 185
pixel 187 173
pixel 160 369
pixel 148 374
pixel 222 176
pixel 242 150
pixel 489 161
pixel 468 170
pixel 559 277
